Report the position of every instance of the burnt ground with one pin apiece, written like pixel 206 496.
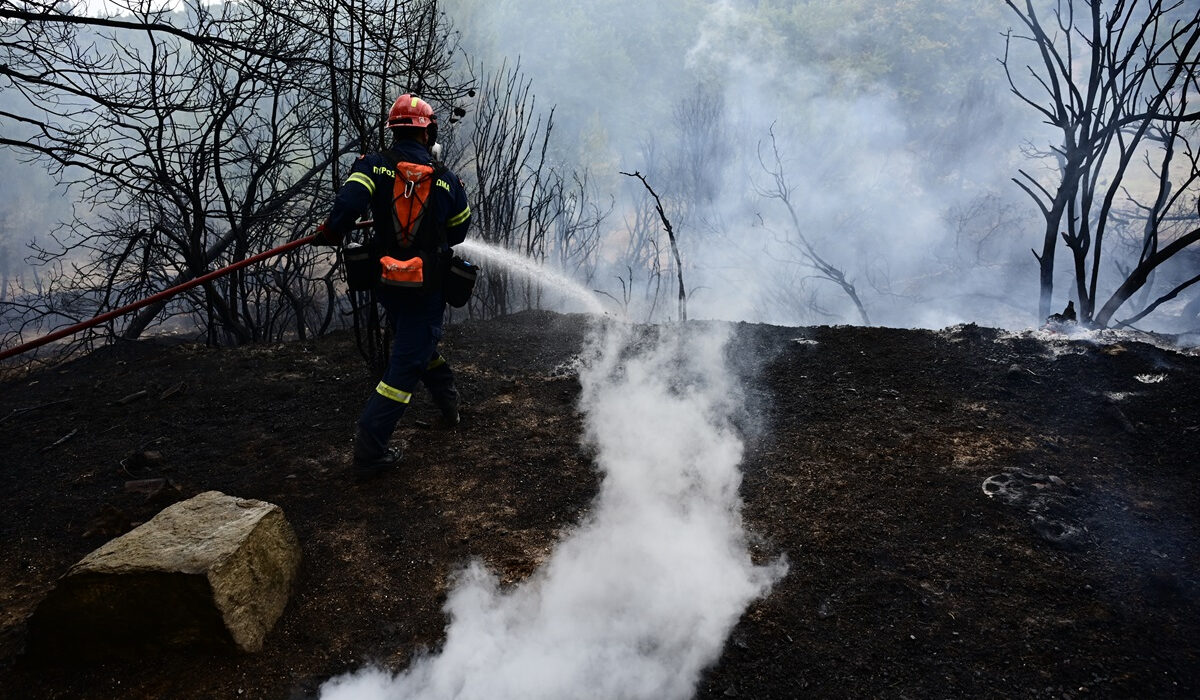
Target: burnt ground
pixel 1078 577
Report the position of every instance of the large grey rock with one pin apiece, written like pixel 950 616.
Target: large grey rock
pixel 213 571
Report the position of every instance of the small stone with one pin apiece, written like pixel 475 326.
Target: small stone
pixel 142 461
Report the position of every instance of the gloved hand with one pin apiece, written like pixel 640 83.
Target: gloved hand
pixel 325 237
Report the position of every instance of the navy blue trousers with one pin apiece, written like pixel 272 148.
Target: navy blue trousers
pixel 417 328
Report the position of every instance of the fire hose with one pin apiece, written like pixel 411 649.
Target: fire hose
pixel 164 294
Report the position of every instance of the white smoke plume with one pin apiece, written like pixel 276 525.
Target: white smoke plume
pixel 902 183
pixel 639 598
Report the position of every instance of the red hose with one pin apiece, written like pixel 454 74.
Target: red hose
pixel 170 292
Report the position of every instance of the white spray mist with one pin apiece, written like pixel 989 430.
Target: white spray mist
pixel 640 597
pixel 546 277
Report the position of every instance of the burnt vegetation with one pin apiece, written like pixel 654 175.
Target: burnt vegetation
pixel 193 139
pixel 966 513
pixel 1120 86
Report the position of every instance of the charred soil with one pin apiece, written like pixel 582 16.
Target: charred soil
pixel 966 513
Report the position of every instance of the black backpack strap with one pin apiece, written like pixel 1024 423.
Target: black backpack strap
pixel 435 239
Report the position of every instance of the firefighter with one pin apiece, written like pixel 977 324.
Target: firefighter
pixel 416 314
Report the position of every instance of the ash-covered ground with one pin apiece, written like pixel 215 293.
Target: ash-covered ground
pixel 965 513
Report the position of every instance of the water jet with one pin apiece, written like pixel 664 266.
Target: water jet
pixel 533 270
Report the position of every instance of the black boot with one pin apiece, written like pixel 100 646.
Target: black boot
pixel 449 418
pixel 368 461
pixel 365 470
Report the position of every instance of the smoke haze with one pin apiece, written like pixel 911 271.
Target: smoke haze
pixel 898 161
pixel 638 599
pixel 896 135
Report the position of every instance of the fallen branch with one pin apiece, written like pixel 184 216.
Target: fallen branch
pixel 22 411
pixel 172 390
pixel 61 440
pixel 133 397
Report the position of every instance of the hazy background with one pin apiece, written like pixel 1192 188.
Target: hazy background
pixel 894 125
pixel 31 204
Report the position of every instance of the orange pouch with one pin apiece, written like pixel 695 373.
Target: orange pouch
pixel 402 273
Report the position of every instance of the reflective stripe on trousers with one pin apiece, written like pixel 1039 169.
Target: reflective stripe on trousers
pixel 416 320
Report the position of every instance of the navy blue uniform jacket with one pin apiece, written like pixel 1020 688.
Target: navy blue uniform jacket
pixel 369 188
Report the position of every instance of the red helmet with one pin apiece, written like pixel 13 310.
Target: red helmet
pixel 410 110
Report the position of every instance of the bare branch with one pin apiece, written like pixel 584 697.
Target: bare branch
pixel 671 235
